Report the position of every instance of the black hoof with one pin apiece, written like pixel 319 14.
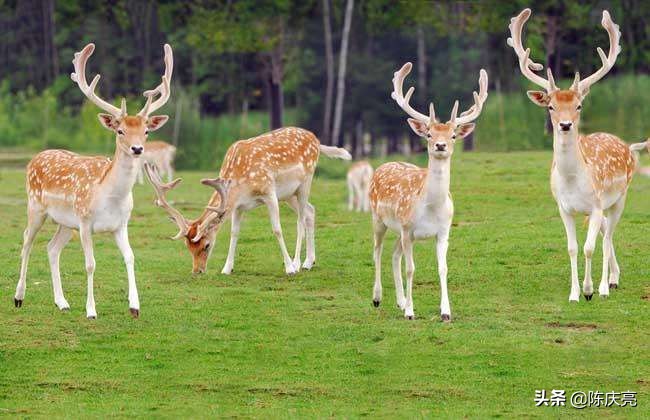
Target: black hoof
pixel 588 297
pixel 18 302
pixel 613 286
pixel 410 317
pixel 92 317
pixel 375 303
pixel 445 318
pixel 135 313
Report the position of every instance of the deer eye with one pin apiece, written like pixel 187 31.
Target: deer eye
pixel 453 136
pixel 146 132
pixel 579 107
pixel 550 108
pixel 120 132
pixel 207 246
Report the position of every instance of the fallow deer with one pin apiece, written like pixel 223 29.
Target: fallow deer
pixel 590 173
pixel 91 194
pixel 275 166
pixel 160 155
pixel 415 202
pixel 359 176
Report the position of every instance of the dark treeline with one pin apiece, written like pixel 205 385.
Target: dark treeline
pixel 267 55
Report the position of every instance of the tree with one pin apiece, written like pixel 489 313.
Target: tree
pixel 329 71
pixel 340 87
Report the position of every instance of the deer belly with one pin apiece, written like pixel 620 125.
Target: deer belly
pixel 288 180
pixel 63 215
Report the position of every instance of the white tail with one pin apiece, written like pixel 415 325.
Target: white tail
pixel 335 152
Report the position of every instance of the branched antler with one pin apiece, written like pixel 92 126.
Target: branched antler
pixel 163 89
pixel 79 76
pixel 161 189
pixel 403 101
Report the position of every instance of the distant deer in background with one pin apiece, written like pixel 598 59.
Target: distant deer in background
pixel 91 194
pixel 160 155
pixel 590 173
pixel 359 176
pixel 416 202
pixel 273 167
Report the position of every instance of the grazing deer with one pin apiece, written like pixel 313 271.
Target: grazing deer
pixel 275 166
pixel 160 155
pixel 359 176
pixel 590 173
pixel 91 194
pixel 415 202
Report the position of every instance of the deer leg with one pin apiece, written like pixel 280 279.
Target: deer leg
pixel 610 280
pixel 35 221
pixel 122 241
pixel 397 274
pixel 350 195
pixel 595 220
pixel 85 234
pixel 310 224
pixel 379 230
pixel 235 224
pixel 572 246
pixel 294 203
pixel 407 247
pixel 442 244
pixel 274 214
pixel 170 171
pixel 54 248
pixel 140 172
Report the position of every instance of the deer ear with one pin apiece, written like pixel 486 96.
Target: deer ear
pixel 465 130
pixel 539 98
pixel 420 128
pixel 109 121
pixel 157 121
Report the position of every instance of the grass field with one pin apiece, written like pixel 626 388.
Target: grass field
pixel 259 343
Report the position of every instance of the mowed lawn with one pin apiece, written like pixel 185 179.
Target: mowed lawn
pixel 260 343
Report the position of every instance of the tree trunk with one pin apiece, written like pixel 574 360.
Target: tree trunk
pixel 329 70
pixel 340 87
pixel 416 143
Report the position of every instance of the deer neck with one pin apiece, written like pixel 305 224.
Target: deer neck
pixel 567 156
pixel 438 178
pixel 120 178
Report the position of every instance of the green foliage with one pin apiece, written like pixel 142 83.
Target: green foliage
pixel 259 344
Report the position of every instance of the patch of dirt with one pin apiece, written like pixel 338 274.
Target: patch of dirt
pixel 573 326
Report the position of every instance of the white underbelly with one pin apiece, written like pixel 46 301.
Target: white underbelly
pixel 63 216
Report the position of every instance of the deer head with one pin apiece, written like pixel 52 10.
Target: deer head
pixel 199 234
pixel 440 137
pixel 564 106
pixel 130 131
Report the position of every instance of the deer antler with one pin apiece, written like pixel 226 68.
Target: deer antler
pixel 222 187
pixel 526 65
pixel 608 60
pixel 163 89
pixel 479 99
pixel 79 76
pixel 403 101
pixel 161 189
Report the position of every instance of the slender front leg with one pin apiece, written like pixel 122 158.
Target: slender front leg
pixel 407 247
pixel 122 240
pixel 34 223
pixel 235 223
pixel 379 233
pixel 54 248
pixel 572 245
pixel 350 195
pixel 441 251
pixel 397 274
pixel 274 213
pixel 140 171
pixel 595 221
pixel 85 234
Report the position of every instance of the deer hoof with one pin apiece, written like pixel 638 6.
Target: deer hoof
pixel 445 318
pixel 376 303
pixel 410 317
pixel 135 313
pixel 92 317
pixel 18 302
pixel 588 297
pixel 613 286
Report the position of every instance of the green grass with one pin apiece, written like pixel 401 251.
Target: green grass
pixel 259 343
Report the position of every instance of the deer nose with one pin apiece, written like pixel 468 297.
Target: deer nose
pixel 441 147
pixel 566 125
pixel 137 150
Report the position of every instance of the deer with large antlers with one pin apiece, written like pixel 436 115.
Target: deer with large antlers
pixel 91 194
pixel 590 173
pixel 415 202
pixel 273 167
